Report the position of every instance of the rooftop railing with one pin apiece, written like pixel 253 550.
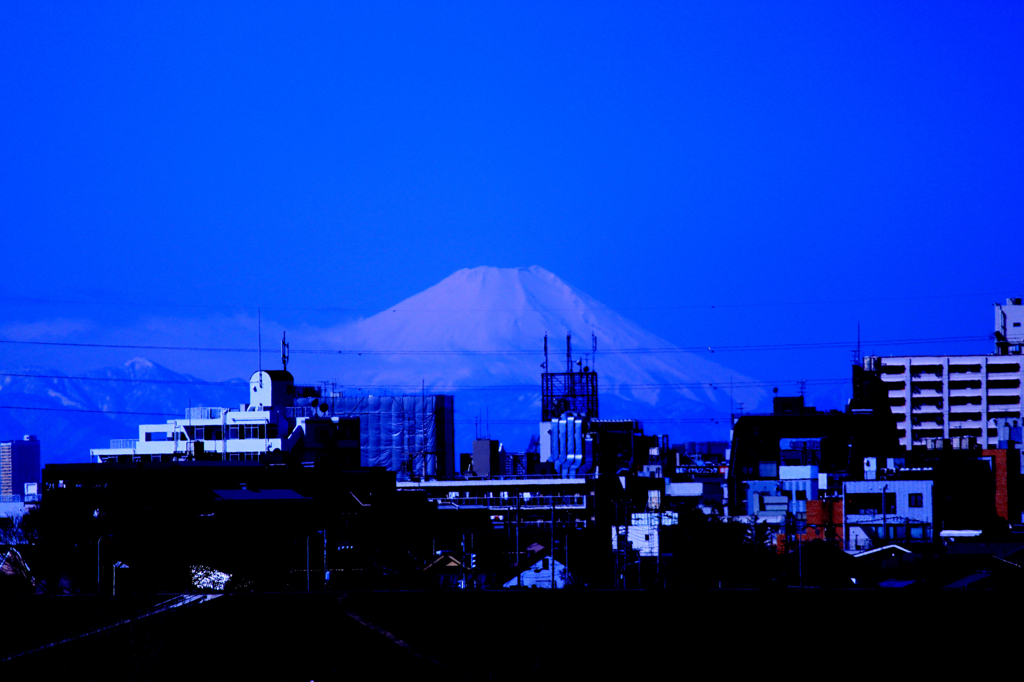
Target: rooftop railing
pixel 532 502
pixel 203 412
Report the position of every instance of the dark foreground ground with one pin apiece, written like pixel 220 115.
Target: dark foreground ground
pixel 517 635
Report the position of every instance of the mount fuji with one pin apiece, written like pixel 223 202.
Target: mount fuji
pixel 478 334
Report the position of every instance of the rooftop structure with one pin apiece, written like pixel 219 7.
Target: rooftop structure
pixel 411 435
pixel 218 433
pixel 1010 327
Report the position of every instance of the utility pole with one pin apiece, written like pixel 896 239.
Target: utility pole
pixel 885 531
pixel 593 355
pixel 552 542
pixel 800 559
pixel 568 352
pixel 567 552
pixel 519 572
pixel 98 573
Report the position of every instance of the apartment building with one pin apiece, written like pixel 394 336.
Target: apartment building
pixel 949 397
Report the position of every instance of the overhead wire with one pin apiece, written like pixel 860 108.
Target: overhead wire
pixel 776 302
pixel 471 387
pixel 682 420
pixel 513 351
pixel 85 410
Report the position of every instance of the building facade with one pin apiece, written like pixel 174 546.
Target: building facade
pixel 953 396
pixel 948 397
pixel 19 467
pixel 877 513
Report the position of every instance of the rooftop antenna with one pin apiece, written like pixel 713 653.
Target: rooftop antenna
pixel 259 340
pixel 284 351
pixel 593 357
pixel 545 365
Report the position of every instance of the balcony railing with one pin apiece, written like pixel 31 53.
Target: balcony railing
pixel 124 443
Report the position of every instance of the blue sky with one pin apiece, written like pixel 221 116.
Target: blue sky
pixel 802 168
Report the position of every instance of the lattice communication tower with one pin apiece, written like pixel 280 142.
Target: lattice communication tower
pixel 571 391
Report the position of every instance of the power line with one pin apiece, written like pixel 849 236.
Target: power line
pixel 124 346
pixel 684 420
pixel 122 380
pixel 86 410
pixel 657 350
pixel 404 308
pixel 508 352
pixel 472 387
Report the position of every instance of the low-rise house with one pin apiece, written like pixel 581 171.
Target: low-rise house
pixel 877 513
pixel 545 573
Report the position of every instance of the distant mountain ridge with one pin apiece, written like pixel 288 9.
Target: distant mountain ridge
pixel 70 415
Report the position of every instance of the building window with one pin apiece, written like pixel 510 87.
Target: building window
pixel 252 431
pixel 916 500
pixel 871 503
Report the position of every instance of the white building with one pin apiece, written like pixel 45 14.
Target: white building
pixel 245 434
pixel 952 396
